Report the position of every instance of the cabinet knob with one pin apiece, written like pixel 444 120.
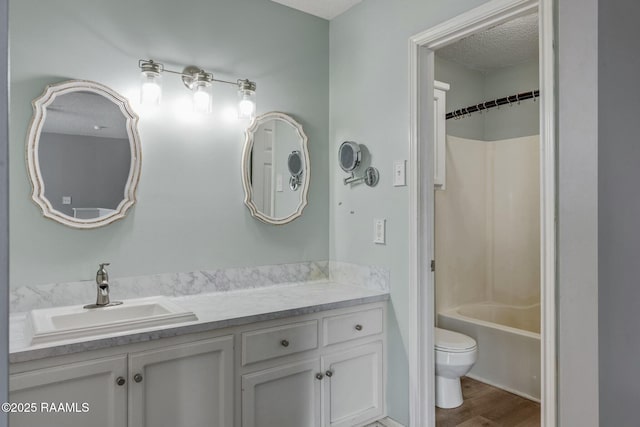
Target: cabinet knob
pixel 137 378
pixel 329 373
pixel 284 343
pixel 121 381
pixel 319 376
pixel 358 327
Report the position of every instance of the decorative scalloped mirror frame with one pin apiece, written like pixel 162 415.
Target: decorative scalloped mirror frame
pixel 40 105
pixel 246 170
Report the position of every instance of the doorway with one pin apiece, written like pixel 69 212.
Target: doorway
pixel 423 48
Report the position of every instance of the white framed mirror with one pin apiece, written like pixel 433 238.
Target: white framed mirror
pixel 83 154
pixel 275 168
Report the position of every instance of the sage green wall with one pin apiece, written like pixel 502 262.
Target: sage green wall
pixel 190 213
pixel 370 105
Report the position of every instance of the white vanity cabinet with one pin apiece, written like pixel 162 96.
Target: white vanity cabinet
pixel 187 385
pixel 324 369
pixel 93 382
pixel 353 385
pixel 287 395
pixel 338 382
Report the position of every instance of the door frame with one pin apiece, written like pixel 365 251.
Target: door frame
pixel 422 48
pixel 4 207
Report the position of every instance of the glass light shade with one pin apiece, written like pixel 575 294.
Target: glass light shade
pixel 150 88
pixel 202 97
pixel 246 104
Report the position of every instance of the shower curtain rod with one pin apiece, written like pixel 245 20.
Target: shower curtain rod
pixel 507 100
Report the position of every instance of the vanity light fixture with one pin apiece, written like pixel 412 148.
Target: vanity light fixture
pixel 199 82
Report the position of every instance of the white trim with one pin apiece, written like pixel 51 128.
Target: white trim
pixel 475 20
pixel 421 316
pixel 441 86
pixel 503 387
pixel 440 131
pixel 548 203
pixel 388 422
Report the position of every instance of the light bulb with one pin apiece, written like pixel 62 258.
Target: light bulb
pixel 246 108
pixel 202 98
pixel 150 84
pixel 246 99
pixel 150 94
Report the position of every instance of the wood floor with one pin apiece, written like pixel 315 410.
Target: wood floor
pixel 487 406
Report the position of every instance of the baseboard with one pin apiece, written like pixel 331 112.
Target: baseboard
pixel 388 422
pixel 510 390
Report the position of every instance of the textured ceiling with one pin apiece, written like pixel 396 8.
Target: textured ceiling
pixel 327 9
pixel 87 114
pixel 512 43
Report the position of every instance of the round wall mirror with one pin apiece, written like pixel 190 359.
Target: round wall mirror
pixel 294 162
pixel 83 154
pixel 349 159
pixel 349 156
pixel 275 150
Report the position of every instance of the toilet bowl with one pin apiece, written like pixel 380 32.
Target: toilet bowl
pixel 455 355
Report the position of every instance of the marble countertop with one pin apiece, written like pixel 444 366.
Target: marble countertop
pixel 214 310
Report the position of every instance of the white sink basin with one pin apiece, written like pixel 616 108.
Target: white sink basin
pixel 65 323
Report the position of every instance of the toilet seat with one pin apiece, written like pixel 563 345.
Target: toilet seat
pixel 453 342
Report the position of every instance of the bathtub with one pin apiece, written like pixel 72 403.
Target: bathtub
pixel 508 344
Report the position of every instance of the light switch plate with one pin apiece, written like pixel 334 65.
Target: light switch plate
pixel 399 173
pixel 66 200
pixel 379 226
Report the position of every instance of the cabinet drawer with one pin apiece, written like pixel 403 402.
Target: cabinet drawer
pixel 279 341
pixel 352 326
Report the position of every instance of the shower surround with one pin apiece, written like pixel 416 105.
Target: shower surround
pixel 488 257
pixel 487 238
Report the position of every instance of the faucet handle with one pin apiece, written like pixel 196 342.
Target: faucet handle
pixel 102 277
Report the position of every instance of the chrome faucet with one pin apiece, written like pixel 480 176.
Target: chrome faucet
pixel 102 281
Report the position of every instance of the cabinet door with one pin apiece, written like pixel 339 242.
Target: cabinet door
pixel 353 386
pixel 190 385
pixel 88 391
pixel 286 396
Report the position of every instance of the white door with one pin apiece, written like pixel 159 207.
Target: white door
pixel 262 168
pixel 189 385
pixel 89 391
pixel 353 386
pixel 286 396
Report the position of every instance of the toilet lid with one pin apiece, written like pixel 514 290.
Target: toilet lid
pixel 453 341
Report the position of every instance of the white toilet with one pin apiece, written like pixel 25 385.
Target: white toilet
pixel 455 355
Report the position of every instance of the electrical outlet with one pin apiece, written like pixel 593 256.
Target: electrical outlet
pixel 379 226
pixel 66 200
